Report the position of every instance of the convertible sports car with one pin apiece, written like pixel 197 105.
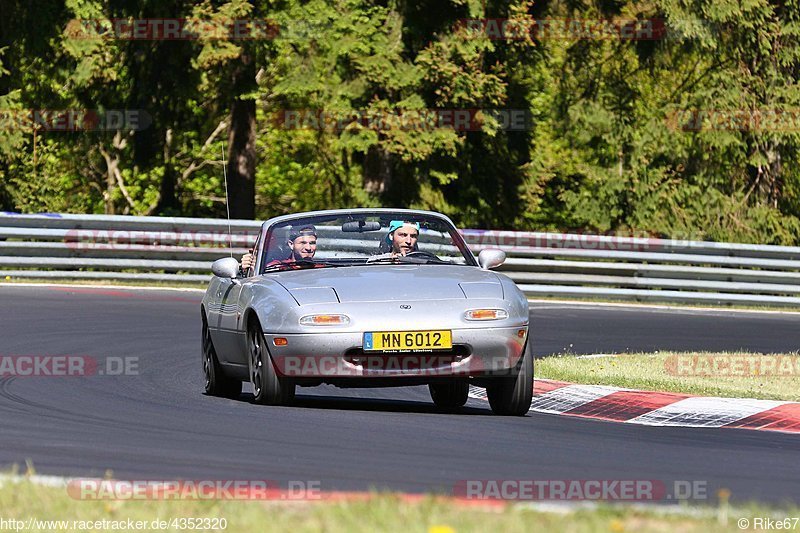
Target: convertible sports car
pixel 367 298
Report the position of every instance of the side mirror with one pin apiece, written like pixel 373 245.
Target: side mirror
pixel 227 267
pixel 491 258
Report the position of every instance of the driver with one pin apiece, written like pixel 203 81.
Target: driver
pixel 402 237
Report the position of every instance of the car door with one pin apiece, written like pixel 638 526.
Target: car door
pixel 231 312
pixel 228 294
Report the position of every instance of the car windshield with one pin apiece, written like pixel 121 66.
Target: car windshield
pixel 360 239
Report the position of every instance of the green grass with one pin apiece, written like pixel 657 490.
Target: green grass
pixel 661 372
pixel 22 499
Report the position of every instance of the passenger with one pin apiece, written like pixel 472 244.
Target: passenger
pixel 302 244
pixel 248 260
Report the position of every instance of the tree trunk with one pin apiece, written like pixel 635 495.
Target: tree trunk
pixel 377 170
pixel 776 177
pixel 242 143
pixel 168 199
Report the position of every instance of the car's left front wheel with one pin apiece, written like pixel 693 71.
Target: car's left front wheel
pixel 268 387
pixel 512 395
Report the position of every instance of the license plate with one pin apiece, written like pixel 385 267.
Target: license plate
pixel 385 341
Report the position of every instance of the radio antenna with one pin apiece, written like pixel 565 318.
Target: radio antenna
pixel 227 199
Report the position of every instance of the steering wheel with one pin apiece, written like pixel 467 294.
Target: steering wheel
pixel 420 253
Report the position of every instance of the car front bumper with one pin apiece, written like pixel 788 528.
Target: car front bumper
pixel 476 352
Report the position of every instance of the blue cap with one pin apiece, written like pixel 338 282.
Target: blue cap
pixel 395 224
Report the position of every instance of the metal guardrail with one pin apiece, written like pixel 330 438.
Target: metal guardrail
pixel 108 247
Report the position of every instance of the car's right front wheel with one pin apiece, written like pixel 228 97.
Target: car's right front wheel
pixel 268 387
pixel 512 395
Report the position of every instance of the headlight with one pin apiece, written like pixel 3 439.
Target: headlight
pixel 325 320
pixel 486 314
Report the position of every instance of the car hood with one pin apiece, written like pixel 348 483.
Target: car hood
pixel 389 283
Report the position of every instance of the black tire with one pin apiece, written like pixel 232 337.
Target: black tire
pixel 268 387
pixel 217 383
pixel 512 395
pixel 449 395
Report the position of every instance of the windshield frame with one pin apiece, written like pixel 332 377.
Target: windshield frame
pixel 271 225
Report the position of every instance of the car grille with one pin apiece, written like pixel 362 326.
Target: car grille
pixel 419 360
pixel 461 350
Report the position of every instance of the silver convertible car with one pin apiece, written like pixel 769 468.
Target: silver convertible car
pixel 367 298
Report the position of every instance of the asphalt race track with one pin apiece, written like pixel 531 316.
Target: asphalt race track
pixel 157 424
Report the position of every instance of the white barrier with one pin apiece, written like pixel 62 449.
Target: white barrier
pixel 542 264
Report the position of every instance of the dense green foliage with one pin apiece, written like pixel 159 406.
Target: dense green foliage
pixel 613 140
